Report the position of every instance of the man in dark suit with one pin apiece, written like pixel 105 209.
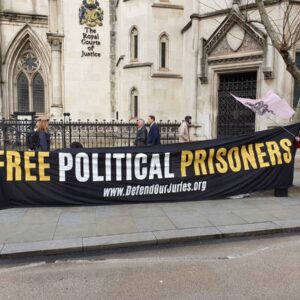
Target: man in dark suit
pixel 153 135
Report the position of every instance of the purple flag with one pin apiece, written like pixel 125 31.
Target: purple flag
pixel 270 105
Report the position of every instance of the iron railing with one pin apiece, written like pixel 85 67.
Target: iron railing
pixel 95 134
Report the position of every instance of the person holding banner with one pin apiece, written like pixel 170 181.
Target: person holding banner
pixel 184 130
pixel 154 135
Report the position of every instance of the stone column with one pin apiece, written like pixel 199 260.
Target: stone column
pixel 113 59
pixel 194 64
pixel 202 62
pixel 56 108
pixel 268 68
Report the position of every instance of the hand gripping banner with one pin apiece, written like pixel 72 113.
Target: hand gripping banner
pixel 180 172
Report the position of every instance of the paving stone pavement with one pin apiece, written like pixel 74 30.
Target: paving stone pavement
pixel 46 229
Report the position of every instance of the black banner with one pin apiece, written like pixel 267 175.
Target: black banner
pixel 180 172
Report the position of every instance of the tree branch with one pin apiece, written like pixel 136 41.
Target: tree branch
pixel 280 47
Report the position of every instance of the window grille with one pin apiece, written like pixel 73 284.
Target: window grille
pixel 23 93
pixel 38 94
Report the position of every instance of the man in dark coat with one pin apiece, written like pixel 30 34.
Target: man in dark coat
pixel 142 134
pixel 154 135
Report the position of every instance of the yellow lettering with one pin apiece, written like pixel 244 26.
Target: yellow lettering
pixel 186 161
pixel 28 165
pixel 274 153
pixel 210 161
pixel 286 144
pixel 261 155
pixel 43 166
pixel 222 166
pixel 248 157
pixel 199 163
pixel 234 159
pixel 13 159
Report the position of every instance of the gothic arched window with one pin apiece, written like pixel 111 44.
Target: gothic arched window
pixel 163 51
pixel 30 83
pixel 134 44
pixel 38 93
pixel 23 93
pixel 134 103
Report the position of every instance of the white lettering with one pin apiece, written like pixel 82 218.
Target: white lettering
pixel 95 165
pixel 168 173
pixel 155 167
pixel 140 173
pixel 65 165
pixel 82 164
pixel 118 157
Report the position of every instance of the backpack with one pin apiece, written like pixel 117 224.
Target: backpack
pixel 32 140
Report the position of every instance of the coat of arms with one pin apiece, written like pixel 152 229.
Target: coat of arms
pixel 90 13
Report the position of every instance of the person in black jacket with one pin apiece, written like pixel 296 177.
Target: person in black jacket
pixel 76 145
pixel 43 136
pixel 142 134
pixel 154 134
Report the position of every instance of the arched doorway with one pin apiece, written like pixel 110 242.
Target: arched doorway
pixel 233 117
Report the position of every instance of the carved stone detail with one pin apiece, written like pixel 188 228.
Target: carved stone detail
pixel 248 45
pixel 203 79
pixel 220 34
pixel 23 18
pixel 55 41
pixel 268 74
pixel 235 37
pixel 235 59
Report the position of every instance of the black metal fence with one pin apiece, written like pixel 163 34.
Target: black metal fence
pixel 90 134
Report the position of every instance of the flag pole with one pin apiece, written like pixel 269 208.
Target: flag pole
pixel 294 136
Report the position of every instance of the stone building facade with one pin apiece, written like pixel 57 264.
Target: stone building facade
pixel 123 59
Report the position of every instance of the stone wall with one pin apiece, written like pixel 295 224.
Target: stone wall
pixel 89 86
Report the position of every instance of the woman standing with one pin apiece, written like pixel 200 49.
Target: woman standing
pixel 43 135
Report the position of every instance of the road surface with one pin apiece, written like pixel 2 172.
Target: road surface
pixel 262 268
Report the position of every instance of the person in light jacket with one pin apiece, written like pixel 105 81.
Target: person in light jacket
pixel 184 130
pixel 142 134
